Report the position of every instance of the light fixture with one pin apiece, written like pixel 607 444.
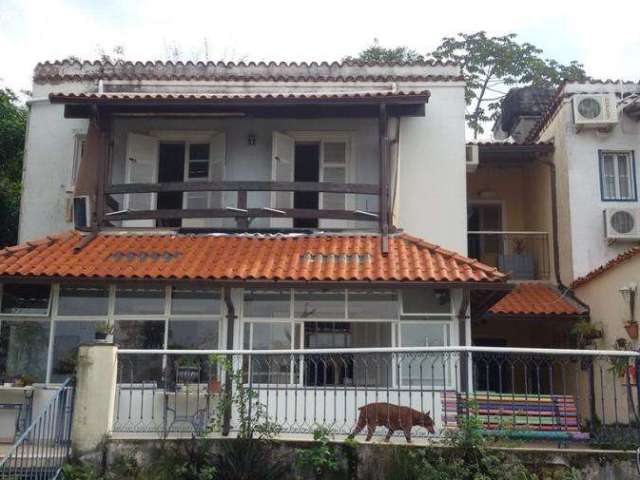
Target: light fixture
pixel 251 139
pixel 628 293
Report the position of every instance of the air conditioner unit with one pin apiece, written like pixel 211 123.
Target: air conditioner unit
pixel 597 110
pixel 622 223
pixel 472 158
pixel 81 212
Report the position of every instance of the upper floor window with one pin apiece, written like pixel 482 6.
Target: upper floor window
pixel 79 148
pixel 617 176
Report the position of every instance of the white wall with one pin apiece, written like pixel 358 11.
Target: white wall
pixel 590 248
pixel 432 179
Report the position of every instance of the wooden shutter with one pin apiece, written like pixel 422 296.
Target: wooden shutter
pixel 283 162
pixel 142 162
pixel 334 170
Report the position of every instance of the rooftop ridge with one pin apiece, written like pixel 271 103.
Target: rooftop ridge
pixel 621 258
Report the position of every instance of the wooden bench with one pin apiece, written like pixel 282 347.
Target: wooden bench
pixel 530 416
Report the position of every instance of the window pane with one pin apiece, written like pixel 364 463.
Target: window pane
pixel 270 336
pixel 197 200
pixel 335 152
pixel 193 334
pixel 373 304
pixel 426 300
pixel 430 368
pixel 83 300
pixel 199 151
pixel 623 174
pixel 267 303
pixel 139 300
pixel 196 301
pixel 319 304
pixel 68 336
pixel 198 169
pixel 25 299
pixel 147 334
pixel 23 349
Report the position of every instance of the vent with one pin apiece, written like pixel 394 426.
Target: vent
pixel 622 224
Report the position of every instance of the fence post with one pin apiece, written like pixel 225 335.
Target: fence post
pixel 95 396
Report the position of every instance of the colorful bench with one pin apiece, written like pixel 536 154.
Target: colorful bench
pixel 530 416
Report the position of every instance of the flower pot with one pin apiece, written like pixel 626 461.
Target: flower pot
pixel 214 386
pixel 102 337
pixel 631 374
pixel 632 329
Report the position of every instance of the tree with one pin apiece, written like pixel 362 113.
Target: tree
pixel 492 65
pixel 376 53
pixel 13 124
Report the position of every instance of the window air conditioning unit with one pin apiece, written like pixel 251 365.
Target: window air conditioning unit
pixel 622 223
pixel 81 212
pixel 595 110
pixel 472 158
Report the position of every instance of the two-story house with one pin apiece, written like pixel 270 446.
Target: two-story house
pixel 246 206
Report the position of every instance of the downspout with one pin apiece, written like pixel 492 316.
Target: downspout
pixel 555 236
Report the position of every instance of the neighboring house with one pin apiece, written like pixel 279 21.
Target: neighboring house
pixel 257 206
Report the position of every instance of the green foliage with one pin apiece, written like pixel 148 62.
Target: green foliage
pixel 249 459
pixel 491 65
pixel 376 53
pixel 13 124
pixel 320 459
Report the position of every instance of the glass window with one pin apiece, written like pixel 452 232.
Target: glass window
pixel 375 304
pixel 425 368
pixel 142 300
pixel 69 334
pixel 319 304
pixel 193 334
pixel 425 300
pixel 267 303
pixel 140 334
pixel 201 301
pixel 198 161
pixel 25 299
pixel 81 300
pixel 617 176
pixel 274 369
pixel 23 349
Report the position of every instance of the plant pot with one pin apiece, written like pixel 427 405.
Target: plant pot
pixel 632 375
pixel 103 337
pixel 632 329
pixel 215 386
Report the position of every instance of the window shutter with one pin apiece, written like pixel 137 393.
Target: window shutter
pixel 283 162
pixel 142 160
pixel 334 170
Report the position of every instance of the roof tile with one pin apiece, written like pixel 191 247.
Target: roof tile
pixel 535 299
pixel 295 257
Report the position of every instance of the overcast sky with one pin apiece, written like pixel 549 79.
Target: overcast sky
pixel 606 39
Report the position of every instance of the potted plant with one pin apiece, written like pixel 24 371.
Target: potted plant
pixel 620 365
pixel 586 332
pixel 104 332
pixel 188 369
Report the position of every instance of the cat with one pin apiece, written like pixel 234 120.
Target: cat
pixel 393 417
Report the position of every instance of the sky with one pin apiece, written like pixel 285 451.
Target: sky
pixel 605 38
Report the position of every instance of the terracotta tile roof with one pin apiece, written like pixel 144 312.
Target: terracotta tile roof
pixel 419 96
pixel 535 299
pixel 294 257
pixel 623 257
pixel 427 70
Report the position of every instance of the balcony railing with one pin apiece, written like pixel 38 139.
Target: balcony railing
pixel 564 395
pixel 525 255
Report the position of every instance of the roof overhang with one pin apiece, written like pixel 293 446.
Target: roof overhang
pixel 308 105
pixel 496 152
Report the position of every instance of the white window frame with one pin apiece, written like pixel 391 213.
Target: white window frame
pixel 26 315
pixel 79 147
pixel 631 181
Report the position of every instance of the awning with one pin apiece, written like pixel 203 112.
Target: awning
pixel 528 300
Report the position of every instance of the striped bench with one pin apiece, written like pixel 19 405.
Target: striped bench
pixel 529 416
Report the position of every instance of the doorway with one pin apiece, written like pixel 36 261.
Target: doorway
pixel 306 169
pixel 484 217
pixel 170 169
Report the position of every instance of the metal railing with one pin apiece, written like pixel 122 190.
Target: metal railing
pixel 45 445
pixel 523 254
pixel 525 393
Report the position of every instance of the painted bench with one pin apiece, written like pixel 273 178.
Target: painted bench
pixel 531 416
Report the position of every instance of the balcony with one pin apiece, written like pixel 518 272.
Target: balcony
pixel 525 255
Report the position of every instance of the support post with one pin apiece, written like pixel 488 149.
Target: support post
pixel 383 119
pixel 103 122
pixel 242 222
pixel 228 381
pixel 94 401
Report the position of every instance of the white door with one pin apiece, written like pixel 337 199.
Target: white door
pixel 141 167
pixel 333 169
pixel 209 167
pixel 283 162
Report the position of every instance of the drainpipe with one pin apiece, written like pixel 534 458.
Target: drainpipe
pixel 228 385
pixel 555 236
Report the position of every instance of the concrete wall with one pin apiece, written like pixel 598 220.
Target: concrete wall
pixel 583 246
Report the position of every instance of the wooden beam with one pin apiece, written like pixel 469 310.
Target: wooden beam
pixel 103 122
pixel 251 212
pixel 251 186
pixel 242 222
